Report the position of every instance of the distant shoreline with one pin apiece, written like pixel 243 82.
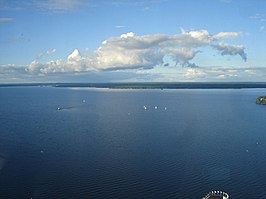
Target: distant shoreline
pixel 157 85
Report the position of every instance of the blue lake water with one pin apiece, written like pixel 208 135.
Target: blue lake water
pixel 103 144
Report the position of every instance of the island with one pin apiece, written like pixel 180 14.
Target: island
pixel 261 100
pixel 147 85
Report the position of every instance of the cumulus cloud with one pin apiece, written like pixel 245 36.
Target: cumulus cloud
pixel 131 51
pixel 194 73
pixel 74 63
pixel 47 53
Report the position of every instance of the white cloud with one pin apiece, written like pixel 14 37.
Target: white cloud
pixel 2 20
pixel 203 74
pixel 127 35
pixel 74 63
pixel 47 53
pixel 11 68
pixel 12 73
pixel 120 26
pixel 86 49
pixel 131 51
pixel 194 73
pixel 227 35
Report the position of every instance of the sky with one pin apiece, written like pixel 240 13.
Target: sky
pixel 132 41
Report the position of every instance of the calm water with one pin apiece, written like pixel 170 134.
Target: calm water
pixel 108 146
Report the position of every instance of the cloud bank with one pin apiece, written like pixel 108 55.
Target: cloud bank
pixel 202 74
pixel 131 51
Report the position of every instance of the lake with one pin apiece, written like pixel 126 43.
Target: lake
pixel 103 143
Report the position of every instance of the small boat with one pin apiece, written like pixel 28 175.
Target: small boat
pixel 216 195
pixel 58 108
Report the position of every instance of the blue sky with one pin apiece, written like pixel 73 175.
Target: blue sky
pixel 141 40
